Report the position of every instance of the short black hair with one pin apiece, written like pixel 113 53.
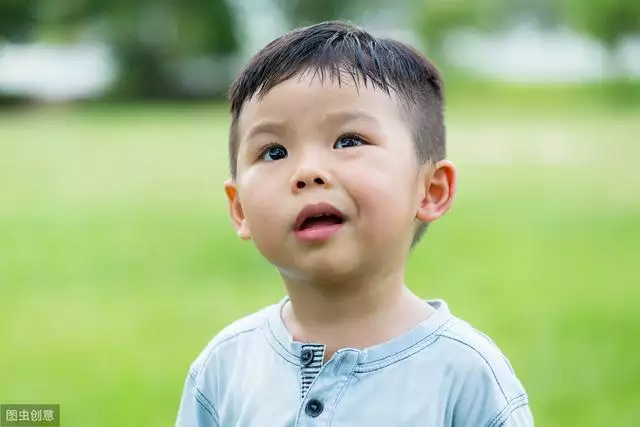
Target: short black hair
pixel 340 50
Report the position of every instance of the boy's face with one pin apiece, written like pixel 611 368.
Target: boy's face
pixel 309 142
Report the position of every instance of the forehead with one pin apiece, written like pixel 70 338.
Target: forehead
pixel 307 99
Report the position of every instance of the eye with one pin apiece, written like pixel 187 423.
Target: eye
pixel 347 141
pixel 273 152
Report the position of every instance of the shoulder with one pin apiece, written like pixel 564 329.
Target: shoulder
pixel 477 355
pixel 489 392
pixel 201 386
pixel 231 339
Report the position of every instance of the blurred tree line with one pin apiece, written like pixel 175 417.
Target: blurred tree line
pixel 608 21
pixel 189 48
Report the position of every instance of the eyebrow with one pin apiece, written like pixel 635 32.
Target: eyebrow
pixel 340 119
pixel 270 127
pixel 348 116
pixel 333 118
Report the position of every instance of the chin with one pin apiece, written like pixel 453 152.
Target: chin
pixel 322 270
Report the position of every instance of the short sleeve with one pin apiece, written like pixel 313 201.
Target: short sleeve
pixel 491 396
pixel 195 410
pixel 519 416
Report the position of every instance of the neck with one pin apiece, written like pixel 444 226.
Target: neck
pixel 352 313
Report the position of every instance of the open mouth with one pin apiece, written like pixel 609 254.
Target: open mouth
pixel 321 220
pixel 318 216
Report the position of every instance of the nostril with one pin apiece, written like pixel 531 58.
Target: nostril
pixel 300 184
pixel 318 181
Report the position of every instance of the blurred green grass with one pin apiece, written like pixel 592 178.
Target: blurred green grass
pixel 118 262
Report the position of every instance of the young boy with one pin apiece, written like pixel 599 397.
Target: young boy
pixel 337 149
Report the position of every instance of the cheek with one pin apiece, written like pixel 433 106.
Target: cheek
pixel 383 192
pixel 262 206
pixel 386 176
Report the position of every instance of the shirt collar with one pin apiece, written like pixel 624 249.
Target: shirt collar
pixel 370 358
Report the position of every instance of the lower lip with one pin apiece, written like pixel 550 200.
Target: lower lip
pixel 319 233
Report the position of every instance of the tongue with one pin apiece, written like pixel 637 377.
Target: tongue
pixel 320 222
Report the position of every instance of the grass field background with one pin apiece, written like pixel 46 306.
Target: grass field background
pixel 118 262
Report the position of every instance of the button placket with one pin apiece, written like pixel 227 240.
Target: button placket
pixel 320 401
pixel 311 357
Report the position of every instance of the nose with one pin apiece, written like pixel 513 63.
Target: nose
pixel 317 180
pixel 308 175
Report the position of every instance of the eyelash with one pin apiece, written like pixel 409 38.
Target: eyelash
pixel 351 136
pixel 266 148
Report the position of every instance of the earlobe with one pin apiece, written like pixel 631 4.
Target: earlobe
pixel 438 189
pixel 235 210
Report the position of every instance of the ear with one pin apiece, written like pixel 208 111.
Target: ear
pixel 437 185
pixel 235 210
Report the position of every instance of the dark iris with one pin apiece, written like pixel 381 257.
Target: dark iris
pixel 274 152
pixel 348 141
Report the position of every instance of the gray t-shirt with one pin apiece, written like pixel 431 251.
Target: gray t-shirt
pixel 440 373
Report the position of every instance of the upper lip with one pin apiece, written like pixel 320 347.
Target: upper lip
pixel 314 210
